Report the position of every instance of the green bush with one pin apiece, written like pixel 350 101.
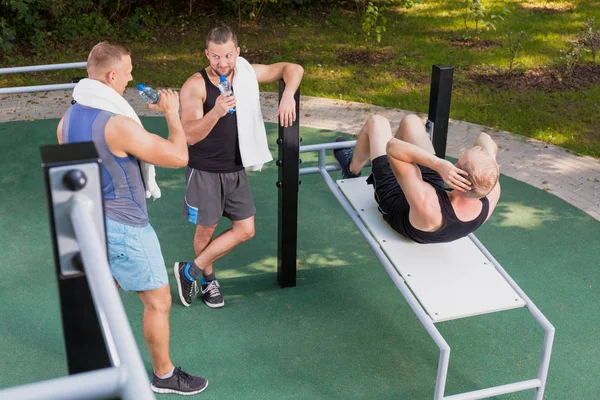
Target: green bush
pixel 34 23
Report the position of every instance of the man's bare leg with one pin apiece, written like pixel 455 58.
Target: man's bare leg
pixel 371 142
pixel 202 238
pixel 240 231
pixel 157 304
pixel 413 131
pixel 187 273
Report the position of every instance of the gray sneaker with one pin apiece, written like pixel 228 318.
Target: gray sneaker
pixel 180 383
pixel 211 294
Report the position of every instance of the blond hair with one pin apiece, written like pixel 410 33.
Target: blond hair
pixel 483 173
pixel 105 55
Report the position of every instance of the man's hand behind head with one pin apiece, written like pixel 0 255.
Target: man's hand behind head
pixel 168 102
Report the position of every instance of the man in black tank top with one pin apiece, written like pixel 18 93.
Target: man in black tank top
pixel 409 180
pixel 216 180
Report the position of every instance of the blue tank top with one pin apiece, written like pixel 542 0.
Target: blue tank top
pixel 122 186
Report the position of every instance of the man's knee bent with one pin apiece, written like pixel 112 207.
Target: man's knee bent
pixel 244 230
pixel 409 125
pixel 378 125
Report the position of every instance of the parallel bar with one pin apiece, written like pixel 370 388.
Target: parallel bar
pixel 328 146
pixel 109 308
pixel 287 206
pixel 400 284
pixel 42 88
pixel 496 390
pixel 99 384
pixel 439 106
pixel 47 67
pixel 316 170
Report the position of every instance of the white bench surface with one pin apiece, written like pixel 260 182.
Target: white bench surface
pixel 450 280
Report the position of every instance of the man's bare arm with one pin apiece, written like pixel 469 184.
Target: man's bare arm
pixel 195 124
pixel 292 76
pixel 125 136
pixel 487 143
pixel 59 131
pixel 409 153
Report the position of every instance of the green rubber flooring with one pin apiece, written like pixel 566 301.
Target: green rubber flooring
pixel 344 332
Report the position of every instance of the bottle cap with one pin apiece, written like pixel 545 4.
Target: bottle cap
pixel 140 86
pixel 223 78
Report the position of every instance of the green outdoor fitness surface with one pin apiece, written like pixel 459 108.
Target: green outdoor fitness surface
pixel 344 332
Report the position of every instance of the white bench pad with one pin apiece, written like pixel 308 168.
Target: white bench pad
pixel 450 280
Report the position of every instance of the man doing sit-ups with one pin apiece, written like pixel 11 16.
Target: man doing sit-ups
pixel 409 180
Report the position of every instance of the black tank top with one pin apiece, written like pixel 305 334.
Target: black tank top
pixel 452 227
pixel 219 151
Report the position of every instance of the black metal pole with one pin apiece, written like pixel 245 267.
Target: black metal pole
pixel 439 107
pixel 288 161
pixel 84 342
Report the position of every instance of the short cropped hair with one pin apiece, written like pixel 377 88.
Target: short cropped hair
pixel 105 55
pixel 220 35
pixel 483 174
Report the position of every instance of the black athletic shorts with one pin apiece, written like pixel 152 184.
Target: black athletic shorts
pixel 388 193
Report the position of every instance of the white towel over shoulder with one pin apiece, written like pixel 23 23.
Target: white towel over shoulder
pixel 252 135
pixel 95 94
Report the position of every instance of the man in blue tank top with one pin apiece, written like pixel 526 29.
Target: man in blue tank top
pixel 217 184
pixel 135 256
pixel 409 180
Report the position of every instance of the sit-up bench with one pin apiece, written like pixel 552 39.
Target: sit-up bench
pixel 440 282
pixel 450 280
pixel 443 282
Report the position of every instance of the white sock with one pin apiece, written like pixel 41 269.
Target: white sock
pixel 170 374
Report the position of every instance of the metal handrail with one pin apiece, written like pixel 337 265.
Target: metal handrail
pixel 127 378
pixel 36 68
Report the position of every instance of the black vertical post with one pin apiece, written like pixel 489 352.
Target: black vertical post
pixel 287 208
pixel 439 106
pixel 84 341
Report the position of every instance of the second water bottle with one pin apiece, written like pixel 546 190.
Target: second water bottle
pixel 147 93
pixel 225 88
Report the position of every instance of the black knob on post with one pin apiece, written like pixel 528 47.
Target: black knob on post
pixel 75 180
pixel 279 141
pixel 279 163
pixel 278 184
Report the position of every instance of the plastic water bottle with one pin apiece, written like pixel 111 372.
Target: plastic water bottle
pixel 225 88
pixel 147 93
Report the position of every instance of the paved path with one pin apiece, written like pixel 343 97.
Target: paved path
pixel 573 178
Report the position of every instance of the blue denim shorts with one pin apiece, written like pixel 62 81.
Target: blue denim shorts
pixel 134 256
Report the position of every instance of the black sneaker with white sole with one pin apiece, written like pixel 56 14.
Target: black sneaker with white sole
pixel 344 158
pixel 185 286
pixel 212 295
pixel 180 383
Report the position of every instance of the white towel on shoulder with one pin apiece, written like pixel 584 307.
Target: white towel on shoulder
pixel 252 135
pixel 95 94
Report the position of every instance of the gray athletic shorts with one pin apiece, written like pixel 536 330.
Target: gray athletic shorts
pixel 210 196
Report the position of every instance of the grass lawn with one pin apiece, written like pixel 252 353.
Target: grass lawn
pixel 340 64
